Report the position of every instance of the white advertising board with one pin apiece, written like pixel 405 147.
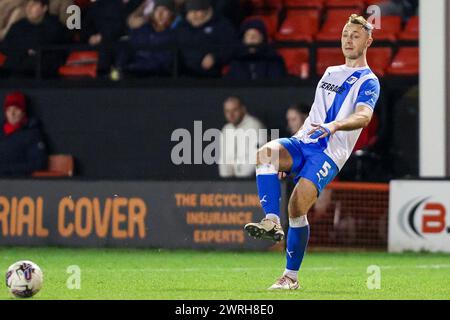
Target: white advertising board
pixel 419 216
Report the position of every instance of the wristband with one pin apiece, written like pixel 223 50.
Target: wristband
pixel 320 132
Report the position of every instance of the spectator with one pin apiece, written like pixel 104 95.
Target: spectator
pixel 295 117
pixel 22 148
pixel 141 15
pixel 59 9
pixel 156 31
pixel 12 11
pixel 143 12
pixel 206 40
pixel 25 37
pixel 255 59
pixel 103 25
pixel 230 9
pixel 236 153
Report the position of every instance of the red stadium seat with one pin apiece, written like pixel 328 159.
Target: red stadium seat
pixel 368 135
pixel 58 166
pixel 299 25
pixel 270 21
pixel 82 57
pixel 296 61
pixel 327 57
pixel 332 28
pixel 372 2
pixel 390 28
pixel 83 3
pixel 2 59
pixel 405 63
pixel 80 64
pixel 345 3
pixel 379 60
pixel 316 4
pixel 275 4
pixel 260 6
pixel 225 70
pixel 411 31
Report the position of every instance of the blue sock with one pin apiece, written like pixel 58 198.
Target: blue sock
pixel 269 189
pixel 297 240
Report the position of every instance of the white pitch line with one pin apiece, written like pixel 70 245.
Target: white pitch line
pixel 432 266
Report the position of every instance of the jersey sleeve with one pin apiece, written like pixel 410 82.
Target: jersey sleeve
pixel 369 93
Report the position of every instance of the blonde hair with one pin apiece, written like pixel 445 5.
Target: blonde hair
pixel 356 19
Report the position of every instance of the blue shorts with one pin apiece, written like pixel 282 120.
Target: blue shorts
pixel 310 162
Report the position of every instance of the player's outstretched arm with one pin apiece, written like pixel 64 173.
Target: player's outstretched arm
pixel 359 119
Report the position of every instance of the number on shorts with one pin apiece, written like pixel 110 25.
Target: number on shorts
pixel 324 171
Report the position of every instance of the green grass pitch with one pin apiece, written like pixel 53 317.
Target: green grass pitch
pixel 187 275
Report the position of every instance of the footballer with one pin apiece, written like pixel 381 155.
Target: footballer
pixel 344 102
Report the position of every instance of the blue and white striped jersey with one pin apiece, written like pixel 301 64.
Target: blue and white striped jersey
pixel 338 93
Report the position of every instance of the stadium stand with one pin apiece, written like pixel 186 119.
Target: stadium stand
pixel 270 20
pixel 332 28
pixel 291 24
pixel 405 63
pixel 345 4
pixel 275 4
pixel 411 31
pixel 391 27
pixel 296 61
pixel 299 25
pixel 305 33
pixel 328 57
pixel 317 4
pixel 379 59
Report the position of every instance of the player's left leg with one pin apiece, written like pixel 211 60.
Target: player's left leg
pixel 302 199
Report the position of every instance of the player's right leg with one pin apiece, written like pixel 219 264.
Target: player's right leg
pixel 313 180
pixel 271 159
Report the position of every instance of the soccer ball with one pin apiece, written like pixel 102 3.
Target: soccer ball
pixel 24 279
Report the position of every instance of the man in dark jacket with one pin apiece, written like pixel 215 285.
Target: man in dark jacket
pixel 157 32
pixel 22 150
pixel 255 59
pixel 230 9
pixel 206 40
pixel 103 24
pixel 26 36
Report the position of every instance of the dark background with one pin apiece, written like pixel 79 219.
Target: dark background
pixel 118 131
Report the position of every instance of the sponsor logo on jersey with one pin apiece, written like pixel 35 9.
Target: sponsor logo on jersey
pixel 352 80
pixel 331 87
pixel 371 93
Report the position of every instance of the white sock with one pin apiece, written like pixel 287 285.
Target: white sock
pixel 299 222
pixel 291 274
pixel 273 217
